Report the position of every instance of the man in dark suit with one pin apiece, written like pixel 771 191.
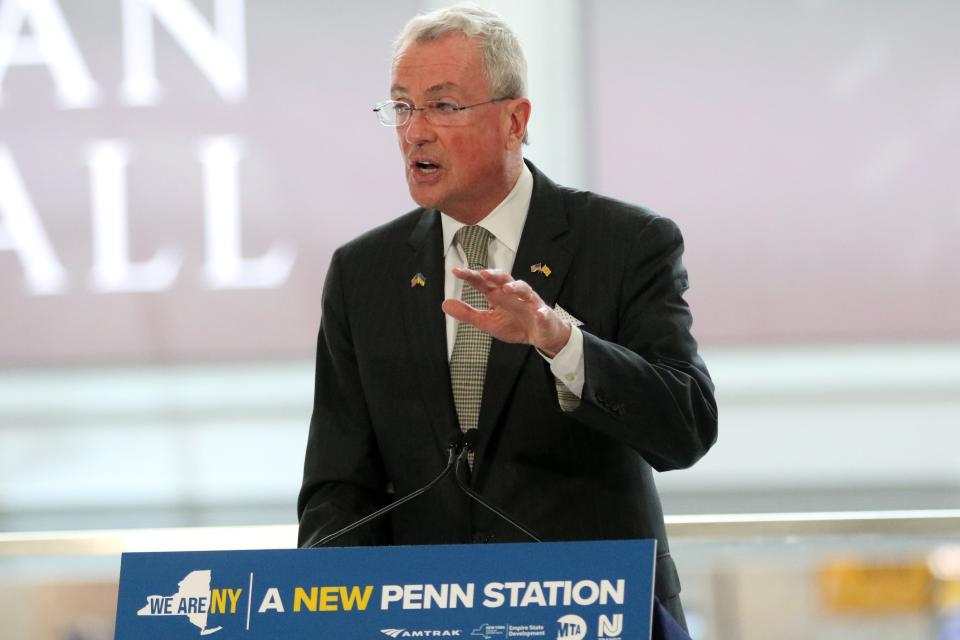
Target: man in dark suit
pixel 591 376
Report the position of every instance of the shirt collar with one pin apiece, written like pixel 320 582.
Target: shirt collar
pixel 505 222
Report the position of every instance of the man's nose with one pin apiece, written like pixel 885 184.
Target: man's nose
pixel 418 130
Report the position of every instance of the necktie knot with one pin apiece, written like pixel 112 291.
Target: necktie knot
pixel 474 239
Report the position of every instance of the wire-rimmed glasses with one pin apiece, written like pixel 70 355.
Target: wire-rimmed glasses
pixel 442 113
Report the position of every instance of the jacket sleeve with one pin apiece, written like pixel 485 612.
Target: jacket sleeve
pixel 343 476
pixel 648 387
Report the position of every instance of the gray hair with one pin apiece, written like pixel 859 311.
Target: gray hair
pixel 506 66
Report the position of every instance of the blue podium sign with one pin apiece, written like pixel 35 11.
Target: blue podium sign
pixel 562 590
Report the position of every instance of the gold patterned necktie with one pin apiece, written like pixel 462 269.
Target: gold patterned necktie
pixel 471 347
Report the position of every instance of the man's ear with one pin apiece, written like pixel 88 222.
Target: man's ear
pixel 518 115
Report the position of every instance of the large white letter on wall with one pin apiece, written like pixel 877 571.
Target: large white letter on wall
pixel 220 54
pixel 22 232
pixel 51 44
pixel 112 269
pixel 225 267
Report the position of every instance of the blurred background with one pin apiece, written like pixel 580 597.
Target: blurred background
pixel 175 175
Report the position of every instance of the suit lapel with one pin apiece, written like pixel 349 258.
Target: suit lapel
pixel 425 325
pixel 544 241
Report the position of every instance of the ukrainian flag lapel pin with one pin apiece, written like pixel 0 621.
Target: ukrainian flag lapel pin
pixel 541 268
pixel 418 281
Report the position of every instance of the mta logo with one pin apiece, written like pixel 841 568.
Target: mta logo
pixel 571 627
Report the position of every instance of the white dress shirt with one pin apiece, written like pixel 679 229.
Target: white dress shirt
pixel 505 223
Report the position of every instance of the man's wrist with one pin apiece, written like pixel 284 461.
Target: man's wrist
pixel 553 348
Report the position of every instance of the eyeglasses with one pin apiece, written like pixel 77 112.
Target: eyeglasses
pixel 442 113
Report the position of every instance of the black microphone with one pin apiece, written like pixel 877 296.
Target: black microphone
pixel 454 448
pixel 469 442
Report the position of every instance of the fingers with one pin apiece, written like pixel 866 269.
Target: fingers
pixel 520 289
pixel 516 314
pixel 460 310
pixel 492 281
pixel 484 320
pixel 486 280
pixel 497 277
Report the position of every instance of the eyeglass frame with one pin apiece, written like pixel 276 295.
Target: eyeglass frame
pixel 377 108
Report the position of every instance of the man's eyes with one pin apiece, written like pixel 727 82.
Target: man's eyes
pixel 444 107
pixel 438 106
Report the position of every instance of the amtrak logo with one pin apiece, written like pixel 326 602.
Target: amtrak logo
pixel 421 633
pixel 571 627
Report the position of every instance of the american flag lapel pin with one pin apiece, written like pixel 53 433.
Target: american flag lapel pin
pixel 540 268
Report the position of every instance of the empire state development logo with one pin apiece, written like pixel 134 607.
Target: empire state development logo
pixel 194 601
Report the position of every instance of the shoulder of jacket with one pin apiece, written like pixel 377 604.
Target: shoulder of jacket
pixel 593 209
pixel 389 234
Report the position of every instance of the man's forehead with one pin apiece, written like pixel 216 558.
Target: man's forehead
pixel 444 68
pixel 437 65
pixel 440 87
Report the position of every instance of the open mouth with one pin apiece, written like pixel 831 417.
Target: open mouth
pixel 425 167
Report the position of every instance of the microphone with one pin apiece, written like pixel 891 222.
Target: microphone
pixel 469 441
pixel 454 448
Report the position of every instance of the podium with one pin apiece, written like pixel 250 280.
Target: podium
pixel 555 591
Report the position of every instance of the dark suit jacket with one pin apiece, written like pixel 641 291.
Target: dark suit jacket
pixel 384 413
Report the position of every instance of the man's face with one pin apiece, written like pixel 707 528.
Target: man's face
pixel 469 169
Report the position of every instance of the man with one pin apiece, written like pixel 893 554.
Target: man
pixel 591 376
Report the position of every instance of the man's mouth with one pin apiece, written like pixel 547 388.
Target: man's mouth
pixel 425 167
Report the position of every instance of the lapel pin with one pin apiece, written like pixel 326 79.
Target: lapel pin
pixel 418 281
pixel 542 268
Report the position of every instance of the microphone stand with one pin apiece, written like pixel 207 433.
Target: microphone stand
pixel 452 450
pixel 468 443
